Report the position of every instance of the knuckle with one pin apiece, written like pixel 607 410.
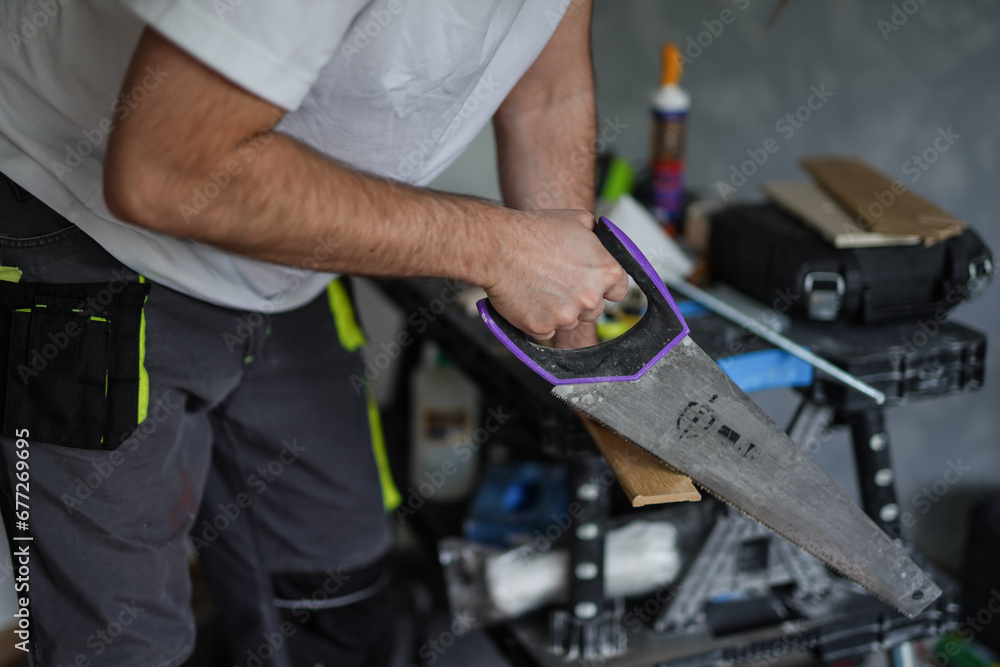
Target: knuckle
pixel 584 218
pixel 534 325
pixel 589 300
pixel 565 316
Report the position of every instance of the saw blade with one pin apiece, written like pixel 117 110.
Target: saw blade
pixel 688 413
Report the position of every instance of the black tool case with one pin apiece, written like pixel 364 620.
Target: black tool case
pixel 770 255
pixel 905 361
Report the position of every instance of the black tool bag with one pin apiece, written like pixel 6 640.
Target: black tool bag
pixel 770 255
pixel 73 360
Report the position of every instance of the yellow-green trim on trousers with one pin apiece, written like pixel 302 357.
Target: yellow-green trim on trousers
pixel 143 398
pixel 351 339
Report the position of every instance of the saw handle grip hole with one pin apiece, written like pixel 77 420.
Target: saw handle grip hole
pixel 626 357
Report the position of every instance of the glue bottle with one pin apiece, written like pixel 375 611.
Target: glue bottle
pixel 670 109
pixel 445 410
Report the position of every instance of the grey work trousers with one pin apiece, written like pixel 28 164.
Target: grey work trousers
pixel 253 442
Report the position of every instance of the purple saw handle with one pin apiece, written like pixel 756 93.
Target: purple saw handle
pixel 625 358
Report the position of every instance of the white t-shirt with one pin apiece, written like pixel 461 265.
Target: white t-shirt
pixel 397 88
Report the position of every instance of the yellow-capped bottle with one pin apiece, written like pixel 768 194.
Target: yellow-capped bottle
pixel 669 112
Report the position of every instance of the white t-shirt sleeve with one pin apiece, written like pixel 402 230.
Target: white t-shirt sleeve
pixel 273 48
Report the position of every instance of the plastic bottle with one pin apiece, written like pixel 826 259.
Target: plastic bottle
pixel 444 414
pixel 669 112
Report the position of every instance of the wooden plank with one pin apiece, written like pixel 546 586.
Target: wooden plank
pixel 645 479
pixel 883 204
pixel 817 210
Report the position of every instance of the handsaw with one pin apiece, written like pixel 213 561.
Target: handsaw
pixel 656 388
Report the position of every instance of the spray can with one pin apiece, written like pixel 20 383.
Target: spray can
pixel 669 112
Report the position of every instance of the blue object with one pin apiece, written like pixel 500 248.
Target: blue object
pixel 515 501
pixel 691 309
pixel 767 369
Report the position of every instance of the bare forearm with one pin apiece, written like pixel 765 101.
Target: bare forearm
pixel 545 129
pixel 283 201
pixel 199 159
pixel 546 159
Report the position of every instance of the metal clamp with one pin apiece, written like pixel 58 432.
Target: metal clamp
pixel 980 274
pixel 824 303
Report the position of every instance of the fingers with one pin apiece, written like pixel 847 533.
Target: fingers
pixel 586 219
pixel 568 327
pixel 585 335
pixel 620 288
pixel 541 336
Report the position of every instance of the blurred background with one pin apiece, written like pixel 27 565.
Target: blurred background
pixel 891 89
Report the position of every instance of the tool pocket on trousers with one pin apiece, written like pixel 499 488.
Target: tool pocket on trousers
pixel 73 359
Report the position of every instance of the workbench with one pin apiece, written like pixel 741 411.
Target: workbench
pixel 591 629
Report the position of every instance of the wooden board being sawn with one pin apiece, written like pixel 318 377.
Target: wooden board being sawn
pixel 645 479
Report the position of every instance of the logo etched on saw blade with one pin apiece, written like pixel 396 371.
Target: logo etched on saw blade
pixel 698 419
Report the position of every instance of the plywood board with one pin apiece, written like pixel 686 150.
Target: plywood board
pixel 881 203
pixel 818 211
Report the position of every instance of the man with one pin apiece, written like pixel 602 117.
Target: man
pixel 180 352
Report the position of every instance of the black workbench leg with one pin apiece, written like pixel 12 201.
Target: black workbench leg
pixel 590 626
pixel 590 482
pixel 875 476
